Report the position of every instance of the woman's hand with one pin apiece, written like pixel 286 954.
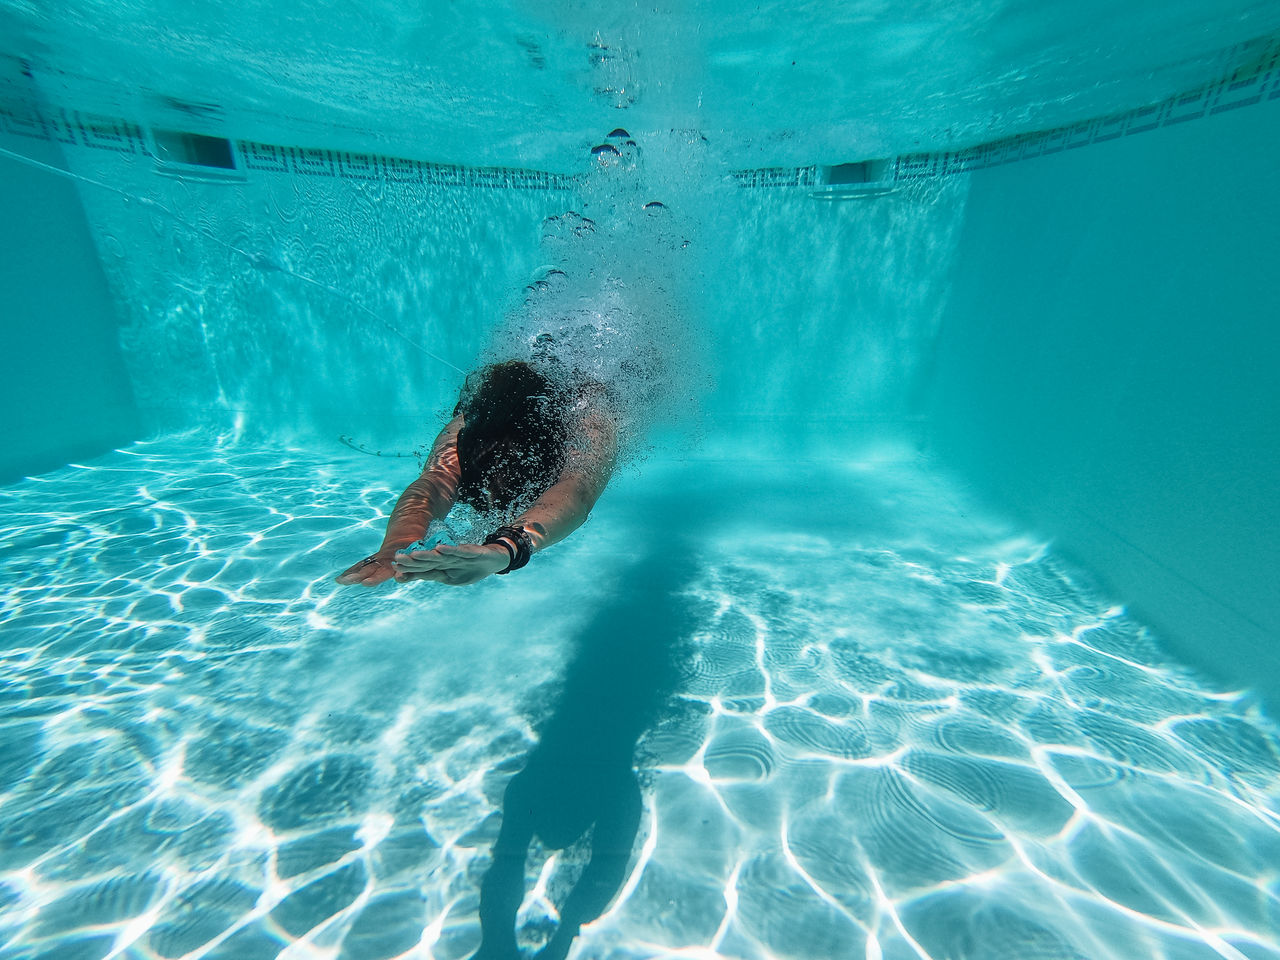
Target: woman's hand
pixel 455 564
pixel 370 571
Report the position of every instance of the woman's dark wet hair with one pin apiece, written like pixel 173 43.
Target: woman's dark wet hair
pixel 514 434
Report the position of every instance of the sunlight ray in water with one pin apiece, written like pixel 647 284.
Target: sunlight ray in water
pixel 893 732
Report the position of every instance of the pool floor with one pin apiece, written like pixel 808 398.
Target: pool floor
pixel 749 711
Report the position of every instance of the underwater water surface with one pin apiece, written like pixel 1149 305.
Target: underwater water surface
pixel 749 710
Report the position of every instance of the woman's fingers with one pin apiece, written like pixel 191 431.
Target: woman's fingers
pixel 447 563
pixel 454 564
pixel 369 572
pixel 445 555
pixel 418 560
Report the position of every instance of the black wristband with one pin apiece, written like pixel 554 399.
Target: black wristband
pixel 511 552
pixel 523 546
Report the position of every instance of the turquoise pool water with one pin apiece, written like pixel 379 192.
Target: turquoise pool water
pixel 795 690
pixel 889 728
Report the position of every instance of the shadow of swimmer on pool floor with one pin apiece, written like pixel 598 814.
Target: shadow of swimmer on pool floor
pixel 579 787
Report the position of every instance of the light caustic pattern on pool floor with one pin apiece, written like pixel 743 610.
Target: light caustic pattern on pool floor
pixel 899 744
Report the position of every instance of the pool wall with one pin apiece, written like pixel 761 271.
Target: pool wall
pixel 1107 371
pixel 64 387
pixel 819 320
pixel 1086 338
pixel 305 301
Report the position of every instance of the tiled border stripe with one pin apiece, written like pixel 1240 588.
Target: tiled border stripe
pixel 73 128
pixel 1247 86
pixel 1257 81
pixel 777 177
pixel 366 166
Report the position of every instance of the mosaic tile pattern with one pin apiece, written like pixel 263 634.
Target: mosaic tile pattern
pixel 362 166
pixel 71 128
pixel 777 177
pixel 888 732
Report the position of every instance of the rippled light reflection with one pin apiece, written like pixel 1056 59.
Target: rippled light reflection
pixel 920 740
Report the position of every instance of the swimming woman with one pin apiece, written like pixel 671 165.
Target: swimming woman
pixel 518 442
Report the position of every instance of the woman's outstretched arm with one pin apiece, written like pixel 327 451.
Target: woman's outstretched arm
pixel 552 517
pixel 428 497
pixel 568 501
